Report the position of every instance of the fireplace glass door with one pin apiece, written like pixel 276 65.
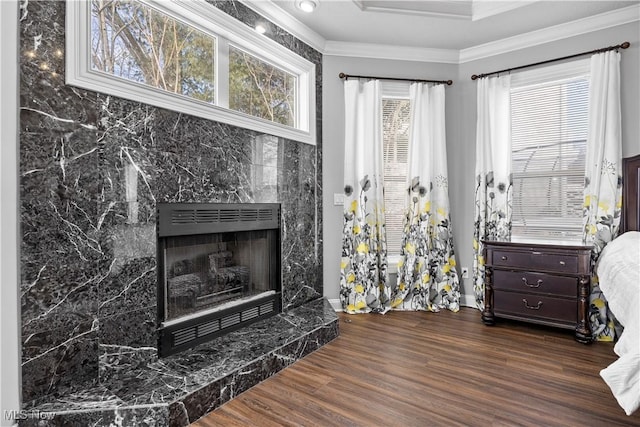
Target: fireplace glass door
pixel 218 270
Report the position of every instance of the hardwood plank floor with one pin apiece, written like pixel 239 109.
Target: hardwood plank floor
pixel 436 369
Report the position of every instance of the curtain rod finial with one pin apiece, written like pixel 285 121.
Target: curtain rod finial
pixel 342 75
pixel 449 82
pixel 474 77
pixel 625 45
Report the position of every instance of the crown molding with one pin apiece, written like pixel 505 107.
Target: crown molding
pixel 481 10
pixel 557 32
pixel 400 53
pixel 278 16
pixel 286 21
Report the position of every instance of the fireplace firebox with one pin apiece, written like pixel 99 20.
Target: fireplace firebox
pixel 219 269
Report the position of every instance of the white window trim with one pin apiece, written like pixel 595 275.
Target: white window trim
pixel 225 29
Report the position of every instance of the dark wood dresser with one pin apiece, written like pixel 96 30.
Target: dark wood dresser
pixel 547 284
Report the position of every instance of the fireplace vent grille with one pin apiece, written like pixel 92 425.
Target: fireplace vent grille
pixel 208 216
pixel 266 308
pixel 230 320
pixel 201 330
pixel 198 218
pixel 184 336
pixel 208 328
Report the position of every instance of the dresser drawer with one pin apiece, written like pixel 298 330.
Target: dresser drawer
pixel 528 306
pixel 533 260
pixel 525 281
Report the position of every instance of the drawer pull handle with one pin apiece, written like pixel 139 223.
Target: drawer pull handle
pixel 504 258
pixel 562 263
pixel 532 285
pixel 530 307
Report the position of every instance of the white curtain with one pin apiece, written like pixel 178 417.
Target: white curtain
pixel 363 266
pixel 427 274
pixel 493 195
pixel 603 176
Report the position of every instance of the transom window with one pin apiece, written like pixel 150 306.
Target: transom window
pixel 549 115
pixel 190 57
pixel 135 42
pixel 261 89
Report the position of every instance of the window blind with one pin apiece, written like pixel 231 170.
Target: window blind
pixel 548 133
pixel 395 136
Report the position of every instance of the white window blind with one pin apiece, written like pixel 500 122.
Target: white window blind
pixel 395 124
pixel 549 131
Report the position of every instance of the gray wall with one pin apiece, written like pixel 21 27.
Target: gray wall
pixel 460 124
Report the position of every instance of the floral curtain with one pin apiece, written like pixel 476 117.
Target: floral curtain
pixel 363 266
pixel 603 176
pixel 427 274
pixel 493 195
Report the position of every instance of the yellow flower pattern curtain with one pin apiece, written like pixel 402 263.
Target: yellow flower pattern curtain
pixel 427 273
pixel 493 195
pixel 603 177
pixel 363 265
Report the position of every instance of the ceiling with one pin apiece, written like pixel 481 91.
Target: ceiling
pixel 453 25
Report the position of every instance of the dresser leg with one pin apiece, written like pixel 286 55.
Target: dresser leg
pixel 488 318
pixel 487 314
pixel 583 338
pixel 583 329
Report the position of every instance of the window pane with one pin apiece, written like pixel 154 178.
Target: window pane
pixel 395 125
pixel 549 131
pixel 134 42
pixel 260 89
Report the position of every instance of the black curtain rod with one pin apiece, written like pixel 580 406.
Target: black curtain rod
pixel 346 76
pixel 604 49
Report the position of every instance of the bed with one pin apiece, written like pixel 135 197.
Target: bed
pixel 618 271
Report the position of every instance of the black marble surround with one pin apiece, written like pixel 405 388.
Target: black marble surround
pixel 92 169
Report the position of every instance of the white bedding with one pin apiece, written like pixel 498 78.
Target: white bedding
pixel 618 272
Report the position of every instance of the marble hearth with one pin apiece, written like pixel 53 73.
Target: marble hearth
pixel 179 389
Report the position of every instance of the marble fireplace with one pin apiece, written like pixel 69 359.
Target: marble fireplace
pixel 93 170
pixel 218 270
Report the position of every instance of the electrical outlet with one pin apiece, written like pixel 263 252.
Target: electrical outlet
pixel 338 199
pixel 465 272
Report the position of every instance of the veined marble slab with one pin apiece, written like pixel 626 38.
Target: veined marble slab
pixel 179 389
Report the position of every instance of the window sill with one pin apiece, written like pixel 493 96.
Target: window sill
pixel 136 92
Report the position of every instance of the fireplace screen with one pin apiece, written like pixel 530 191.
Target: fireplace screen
pixel 218 270
pixel 215 270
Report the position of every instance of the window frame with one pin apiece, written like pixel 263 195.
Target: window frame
pixel 546 76
pixel 226 30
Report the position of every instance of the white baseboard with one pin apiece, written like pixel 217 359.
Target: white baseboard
pixel 468 300
pixel 335 303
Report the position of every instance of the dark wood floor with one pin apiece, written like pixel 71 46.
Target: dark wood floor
pixel 436 369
